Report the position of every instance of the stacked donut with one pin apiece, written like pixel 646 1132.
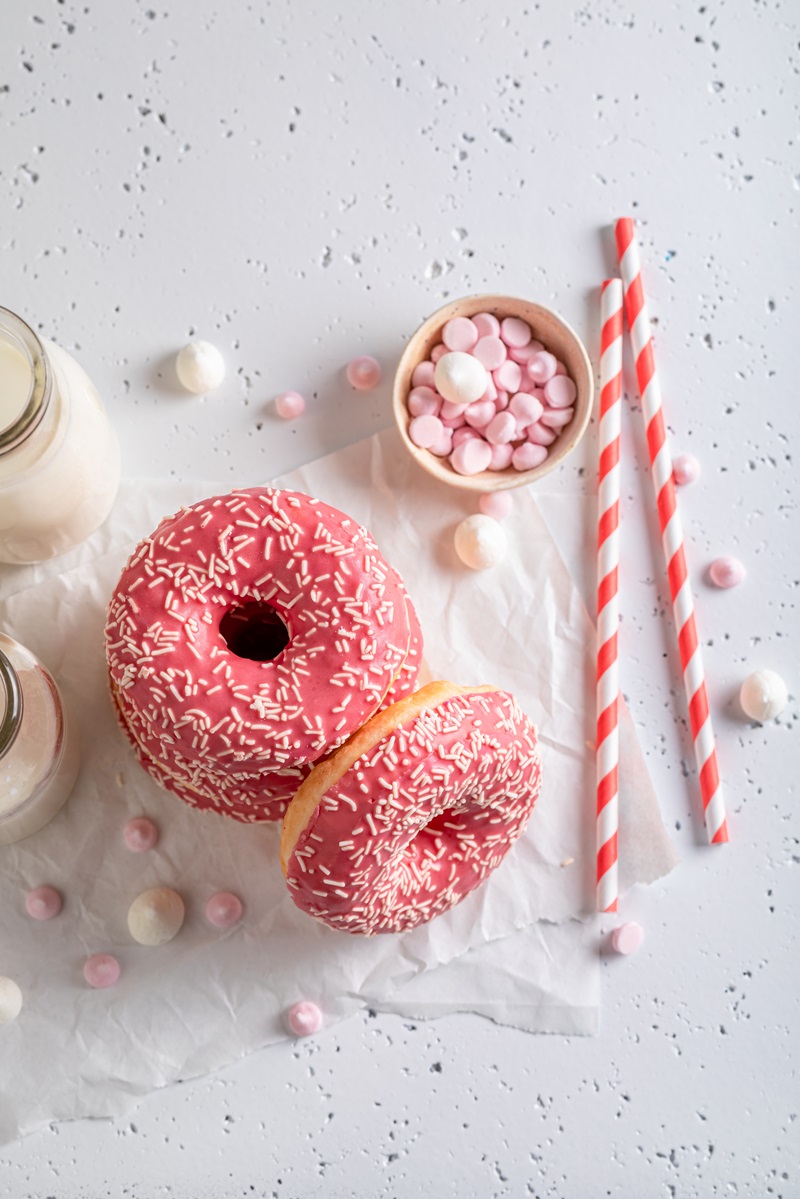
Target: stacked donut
pixel 263 659
pixel 238 733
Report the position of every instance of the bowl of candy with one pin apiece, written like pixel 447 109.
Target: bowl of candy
pixel 492 392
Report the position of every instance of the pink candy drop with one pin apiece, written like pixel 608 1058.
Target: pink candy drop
pixel 627 938
pixel 304 1018
pixel 140 834
pixel 685 469
pixel 43 903
pixel 101 970
pixel 363 373
pixel 224 909
pixel 460 334
pixel 727 572
pixel 496 503
pixel 289 405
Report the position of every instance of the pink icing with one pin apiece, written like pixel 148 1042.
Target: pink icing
pixel 420 820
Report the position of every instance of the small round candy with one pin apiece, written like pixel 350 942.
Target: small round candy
pixel 501 403
pixel 763 695
pixel 10 1000
pixel 627 938
pixel 438 352
pixel 501 429
pixel 491 352
pixel 363 373
pixel 101 970
pixel 526 408
pixel 453 422
pixel 528 456
pixel 479 414
pixel 685 469
pixel 727 572
pixel 460 378
pixel 515 333
pixel 200 367
pixel 508 376
pixel 423 401
pixel 472 456
pixel 224 909
pixel 556 418
pixel 480 542
pixel 424 431
pixel 450 411
pixel 140 834
pixel 523 354
pixel 491 392
pixel 443 446
pixel 539 434
pixel 542 367
pixel 422 375
pixel 43 903
pixel 486 324
pixel 290 405
pixel 156 916
pixel 465 433
pixel 304 1018
pixel 460 334
pixel 560 391
pixel 497 504
pixel 501 457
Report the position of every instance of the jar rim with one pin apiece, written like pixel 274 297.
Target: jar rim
pixel 11 694
pixel 16 330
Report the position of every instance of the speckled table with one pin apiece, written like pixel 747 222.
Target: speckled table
pixel 301 182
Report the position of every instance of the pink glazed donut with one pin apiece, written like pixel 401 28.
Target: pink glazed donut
pixel 413 812
pixel 296 571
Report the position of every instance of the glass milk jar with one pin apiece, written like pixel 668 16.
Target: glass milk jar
pixel 39 756
pixel 59 456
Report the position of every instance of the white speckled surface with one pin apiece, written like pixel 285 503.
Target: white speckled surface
pixel 298 185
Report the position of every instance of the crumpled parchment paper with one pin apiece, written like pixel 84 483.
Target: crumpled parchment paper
pixel 517 950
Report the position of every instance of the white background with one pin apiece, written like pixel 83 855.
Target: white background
pixel 300 184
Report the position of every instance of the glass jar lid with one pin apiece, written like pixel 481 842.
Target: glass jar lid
pixel 28 372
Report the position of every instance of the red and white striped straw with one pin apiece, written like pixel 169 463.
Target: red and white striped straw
pixel 608 595
pixel 671 533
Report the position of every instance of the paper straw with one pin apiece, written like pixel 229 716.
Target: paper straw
pixel 608 595
pixel 671 533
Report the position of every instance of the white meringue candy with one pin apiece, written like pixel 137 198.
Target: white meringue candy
pixel 480 541
pixel 763 695
pixel 460 378
pixel 200 367
pixel 10 1000
pixel 156 916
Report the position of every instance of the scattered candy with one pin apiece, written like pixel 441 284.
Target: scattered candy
pixel 10 1000
pixel 43 903
pixel 156 916
pixel 460 378
pixel 200 367
pixel 496 504
pixel 140 834
pixel 763 695
pixel 483 372
pixel 627 938
pixel 224 909
pixel 460 334
pixel 363 373
pixel 480 542
pixel 101 970
pixel 304 1018
pixel 685 469
pixel 290 405
pixel 727 572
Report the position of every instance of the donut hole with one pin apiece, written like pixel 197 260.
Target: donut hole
pixel 255 631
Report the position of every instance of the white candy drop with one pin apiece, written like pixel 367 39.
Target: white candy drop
pixel 200 367
pixel 460 378
pixel 480 542
pixel 156 916
pixel 763 695
pixel 10 1000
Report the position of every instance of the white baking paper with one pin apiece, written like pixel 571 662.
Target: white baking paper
pixel 209 998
